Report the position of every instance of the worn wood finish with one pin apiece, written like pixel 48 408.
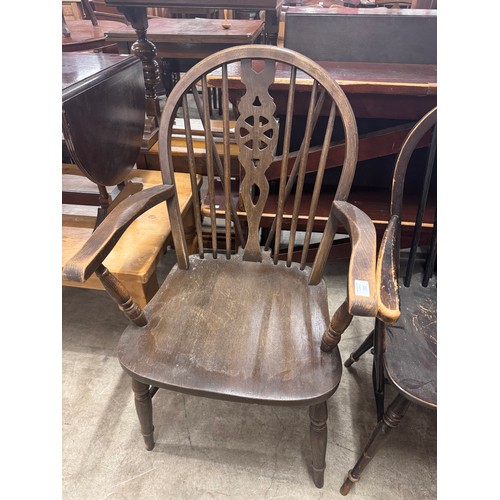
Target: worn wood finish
pixel 387 279
pixel 410 358
pixel 405 336
pixel 229 345
pixel 237 327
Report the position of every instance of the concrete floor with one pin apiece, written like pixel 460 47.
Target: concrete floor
pixel 212 449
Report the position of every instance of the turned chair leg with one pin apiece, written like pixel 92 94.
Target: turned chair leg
pixel 367 344
pixel 395 412
pixel 144 408
pixel 318 435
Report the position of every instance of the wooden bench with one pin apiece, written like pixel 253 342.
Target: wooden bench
pixel 135 257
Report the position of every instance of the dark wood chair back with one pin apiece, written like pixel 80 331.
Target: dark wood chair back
pixel 365 35
pixel 424 234
pixel 258 134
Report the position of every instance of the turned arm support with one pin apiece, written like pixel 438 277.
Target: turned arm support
pixel 88 259
pixel 361 288
pixel 386 274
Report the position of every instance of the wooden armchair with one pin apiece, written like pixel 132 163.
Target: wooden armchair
pixel 242 326
pixel 404 340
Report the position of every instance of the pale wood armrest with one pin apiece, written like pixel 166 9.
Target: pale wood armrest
pixel 85 262
pixel 386 276
pixel 361 289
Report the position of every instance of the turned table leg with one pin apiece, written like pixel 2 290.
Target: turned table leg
pixel 145 50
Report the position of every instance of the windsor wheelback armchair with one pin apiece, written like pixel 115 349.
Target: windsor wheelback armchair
pixel 404 340
pixel 242 325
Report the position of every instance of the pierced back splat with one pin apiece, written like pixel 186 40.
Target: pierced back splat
pixel 256 133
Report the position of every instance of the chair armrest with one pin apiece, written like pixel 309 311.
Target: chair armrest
pixel 386 275
pixel 361 289
pixel 85 262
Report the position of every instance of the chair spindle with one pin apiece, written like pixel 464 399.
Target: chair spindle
pixel 284 163
pixel 227 158
pixel 302 172
pixel 210 163
pixel 317 185
pixel 421 208
pixel 192 173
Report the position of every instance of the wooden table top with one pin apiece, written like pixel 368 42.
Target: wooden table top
pixel 138 250
pixel 206 31
pixel 82 31
pixel 219 4
pixel 353 77
pixel 81 69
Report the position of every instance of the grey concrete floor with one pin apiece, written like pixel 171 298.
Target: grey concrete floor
pixel 212 449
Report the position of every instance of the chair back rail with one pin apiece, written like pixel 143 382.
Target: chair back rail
pixel 257 135
pixel 427 123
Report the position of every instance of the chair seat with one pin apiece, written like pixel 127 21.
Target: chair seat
pixel 254 339
pixel 411 344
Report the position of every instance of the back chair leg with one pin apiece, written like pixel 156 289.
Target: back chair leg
pixel 367 344
pixel 318 435
pixel 395 412
pixel 378 368
pixel 144 408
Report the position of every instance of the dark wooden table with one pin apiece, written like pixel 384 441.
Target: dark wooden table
pixel 189 38
pixel 103 143
pixel 136 13
pixel 375 90
pixel 183 42
pixel 103 118
pixel 398 94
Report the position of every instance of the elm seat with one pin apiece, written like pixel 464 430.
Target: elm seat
pixel 414 337
pixel 174 352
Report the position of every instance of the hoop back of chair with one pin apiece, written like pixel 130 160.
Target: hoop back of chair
pixel 263 123
pixel 426 125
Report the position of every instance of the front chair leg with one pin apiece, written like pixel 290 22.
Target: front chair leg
pixel 318 435
pixel 144 408
pixel 393 415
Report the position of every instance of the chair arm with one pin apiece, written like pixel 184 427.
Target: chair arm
pixel 85 262
pixel 361 289
pixel 386 275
